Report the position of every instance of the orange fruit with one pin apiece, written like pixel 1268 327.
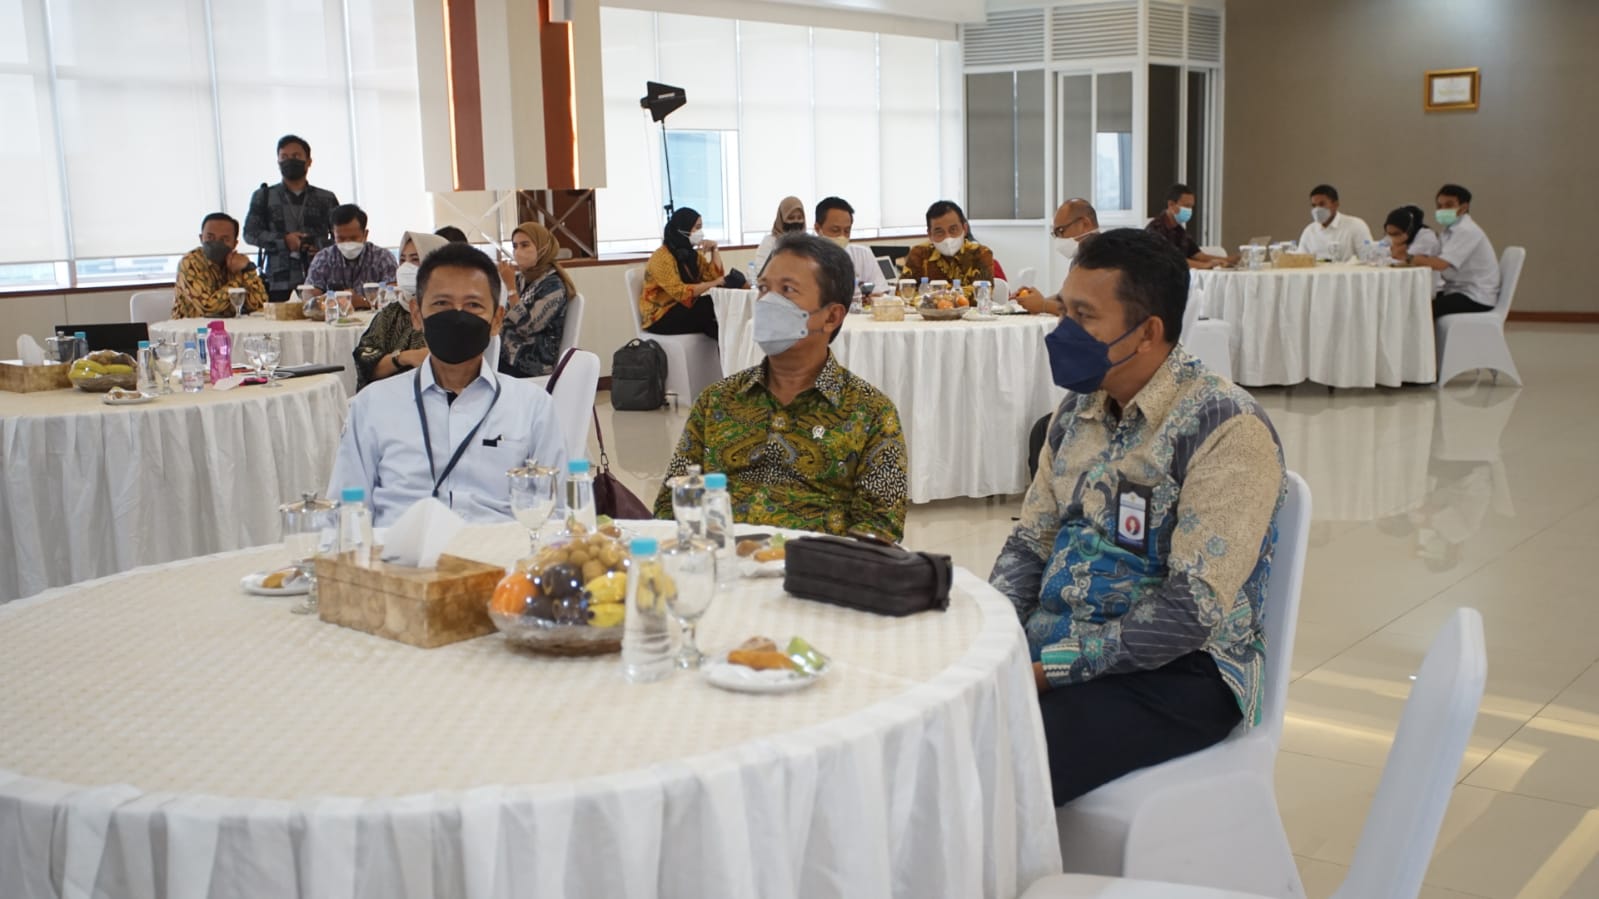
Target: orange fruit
pixel 962 301
pixel 511 594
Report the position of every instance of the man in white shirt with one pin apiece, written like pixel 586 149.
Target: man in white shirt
pixel 834 219
pixel 1331 234
pixel 452 427
pixel 1467 261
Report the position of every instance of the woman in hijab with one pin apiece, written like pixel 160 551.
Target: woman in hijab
pixel 390 345
pixel 790 218
pixel 679 273
pixel 538 289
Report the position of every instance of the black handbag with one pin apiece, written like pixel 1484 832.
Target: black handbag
pixel 638 376
pixel 867 574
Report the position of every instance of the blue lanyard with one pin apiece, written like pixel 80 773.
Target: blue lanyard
pixel 427 438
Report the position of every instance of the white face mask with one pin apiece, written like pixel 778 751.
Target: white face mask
pixel 695 238
pixel 841 240
pixel 779 323
pixel 949 246
pixel 405 277
pixel 351 248
pixel 1320 214
pixel 1067 246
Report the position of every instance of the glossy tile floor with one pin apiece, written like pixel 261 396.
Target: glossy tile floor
pixel 1481 495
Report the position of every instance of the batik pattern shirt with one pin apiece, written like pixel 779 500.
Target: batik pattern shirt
pixel 664 285
pixel 388 332
pixel 201 290
pixel 1174 234
pixel 1148 535
pixel 330 271
pixel 833 460
pixel 530 337
pixel 274 212
pixel 973 263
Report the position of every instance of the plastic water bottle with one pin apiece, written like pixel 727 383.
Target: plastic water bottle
pixel 200 337
pixel 219 352
pixel 82 340
pixel 191 369
pixel 985 298
pixel 752 275
pixel 719 528
pixel 144 366
pixel 955 289
pixel 647 631
pixel 355 526
pixel 1366 254
pixel 924 292
pixel 580 496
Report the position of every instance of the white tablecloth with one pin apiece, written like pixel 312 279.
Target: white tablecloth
pixel 170 736
pixel 88 489
pixel 304 342
pixel 967 392
pixel 1342 325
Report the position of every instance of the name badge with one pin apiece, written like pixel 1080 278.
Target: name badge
pixel 1132 516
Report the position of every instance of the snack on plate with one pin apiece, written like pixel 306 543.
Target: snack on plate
pixel 770 554
pixel 763 547
pixel 117 393
pixel 277 579
pixel 761 654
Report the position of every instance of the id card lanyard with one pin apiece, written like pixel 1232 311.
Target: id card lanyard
pixel 427 438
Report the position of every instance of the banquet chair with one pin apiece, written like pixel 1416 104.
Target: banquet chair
pixel 574 401
pixel 693 361
pixel 1473 340
pixel 1210 817
pixel 1027 277
pixel 572 328
pixel 150 306
pixel 1407 811
pixel 1211 340
pixel 1001 290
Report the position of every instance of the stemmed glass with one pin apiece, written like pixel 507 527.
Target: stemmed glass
pixel 369 293
pixel 251 346
pixel 692 567
pixel 271 349
pixel 166 362
pixel 236 297
pixel 533 495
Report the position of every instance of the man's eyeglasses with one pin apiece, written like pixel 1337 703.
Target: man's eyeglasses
pixel 1060 230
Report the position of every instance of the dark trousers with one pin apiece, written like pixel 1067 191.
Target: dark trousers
pixel 699 318
pixel 1451 303
pixel 1104 728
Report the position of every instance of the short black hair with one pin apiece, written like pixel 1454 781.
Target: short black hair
pixel 221 217
pixel 1325 190
pixel 943 208
pixel 1456 191
pixel 347 213
pixel 835 273
pixel 452 234
pixel 1177 192
pixel 1154 274
pixel 287 139
pixel 458 255
pixel 828 204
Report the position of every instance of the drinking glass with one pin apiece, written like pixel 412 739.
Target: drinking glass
pixel 251 347
pixel 310 529
pixel 236 297
pixel 166 361
pixel 369 293
pixel 691 565
pixel 307 293
pixel 271 349
pixel 533 494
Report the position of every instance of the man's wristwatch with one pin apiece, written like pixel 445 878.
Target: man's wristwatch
pixel 394 359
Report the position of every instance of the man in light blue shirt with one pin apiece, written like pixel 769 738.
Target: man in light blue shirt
pixel 452 427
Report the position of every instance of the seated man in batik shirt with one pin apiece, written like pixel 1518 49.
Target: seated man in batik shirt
pixel 804 443
pixel 1145 540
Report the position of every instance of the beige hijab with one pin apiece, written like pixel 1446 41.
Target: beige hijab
pixel 426 242
pixel 788 205
pixel 549 249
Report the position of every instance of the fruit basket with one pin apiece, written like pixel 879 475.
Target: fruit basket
pixel 569 598
pixel 102 370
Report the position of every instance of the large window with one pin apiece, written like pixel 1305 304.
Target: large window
pixel 783 110
pixel 127 122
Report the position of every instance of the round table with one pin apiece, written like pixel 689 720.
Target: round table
pixel 968 392
pixel 170 735
pixel 1341 324
pixel 88 489
pixel 304 342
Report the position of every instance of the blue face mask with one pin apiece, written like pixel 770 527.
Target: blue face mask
pixel 1184 213
pixel 1079 361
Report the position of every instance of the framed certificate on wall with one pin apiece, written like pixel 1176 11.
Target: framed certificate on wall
pixel 1452 89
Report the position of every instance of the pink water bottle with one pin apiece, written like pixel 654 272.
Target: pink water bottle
pixel 219 350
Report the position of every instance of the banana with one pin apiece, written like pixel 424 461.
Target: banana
pixel 119 369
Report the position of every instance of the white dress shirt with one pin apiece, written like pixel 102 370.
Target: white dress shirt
pixel 764 252
pixel 1338 240
pixel 1473 268
pixel 383 449
pixel 1427 244
pixel 866 267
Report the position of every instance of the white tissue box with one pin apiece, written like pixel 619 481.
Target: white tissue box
pixel 424 607
pixel 16 377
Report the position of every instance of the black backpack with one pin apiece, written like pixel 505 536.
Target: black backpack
pixel 638 376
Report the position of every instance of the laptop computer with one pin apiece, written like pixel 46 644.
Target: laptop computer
pixel 890 273
pixel 123 337
pixel 1260 241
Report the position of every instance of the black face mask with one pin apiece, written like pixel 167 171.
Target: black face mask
pixel 292 169
pixel 216 251
pixel 455 336
pixel 793 226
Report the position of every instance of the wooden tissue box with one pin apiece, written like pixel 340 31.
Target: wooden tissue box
pixel 424 607
pixel 1295 260
pixel 287 311
pixel 18 378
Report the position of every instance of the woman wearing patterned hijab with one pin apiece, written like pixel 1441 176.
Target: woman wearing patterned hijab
pixel 530 339
pixel 790 217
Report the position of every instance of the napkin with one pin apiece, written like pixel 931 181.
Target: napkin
pixel 420 534
pixel 29 351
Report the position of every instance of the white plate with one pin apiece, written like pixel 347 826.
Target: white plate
pixel 252 584
pixel 742 679
pixel 110 400
pixel 975 316
pixel 748 567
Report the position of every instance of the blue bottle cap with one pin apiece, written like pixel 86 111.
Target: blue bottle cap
pixel 577 466
pixel 644 546
pixel 144 344
pixel 716 481
pixel 353 494
pixel 80 335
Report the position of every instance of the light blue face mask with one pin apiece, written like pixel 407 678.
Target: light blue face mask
pixel 779 323
pixel 1447 217
pixel 1184 213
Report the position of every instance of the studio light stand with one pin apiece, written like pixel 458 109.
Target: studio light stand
pixel 662 100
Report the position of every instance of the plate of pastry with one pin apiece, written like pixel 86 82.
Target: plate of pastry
pixel 761 555
pixel 758 666
pixel 118 396
pixel 278 582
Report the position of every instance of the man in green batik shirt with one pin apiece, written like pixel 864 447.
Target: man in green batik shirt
pixel 804 443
